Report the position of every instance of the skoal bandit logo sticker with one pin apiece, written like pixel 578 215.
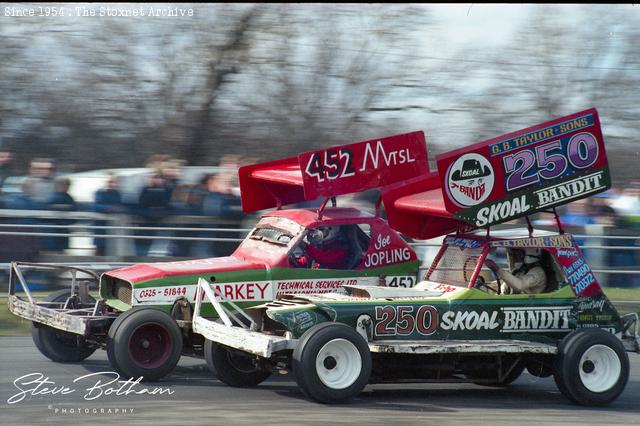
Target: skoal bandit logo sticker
pixel 470 180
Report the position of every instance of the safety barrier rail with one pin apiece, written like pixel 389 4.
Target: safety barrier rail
pixel 123 229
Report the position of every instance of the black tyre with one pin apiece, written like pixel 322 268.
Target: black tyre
pixel 332 363
pixel 144 342
pixel 233 367
pixel 58 345
pixel 592 367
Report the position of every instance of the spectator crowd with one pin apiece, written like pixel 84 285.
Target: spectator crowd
pixel 163 195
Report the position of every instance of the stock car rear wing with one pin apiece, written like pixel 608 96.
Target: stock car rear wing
pixel 333 171
pixel 525 172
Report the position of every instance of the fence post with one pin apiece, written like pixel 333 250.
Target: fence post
pixel 120 247
pixel 597 257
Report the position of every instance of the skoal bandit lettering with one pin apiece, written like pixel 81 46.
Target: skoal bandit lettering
pixel 536 319
pixel 469 320
pixel 503 210
pixel 473 192
pixel 569 190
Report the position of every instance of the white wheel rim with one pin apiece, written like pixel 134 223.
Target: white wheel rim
pixel 599 368
pixel 338 364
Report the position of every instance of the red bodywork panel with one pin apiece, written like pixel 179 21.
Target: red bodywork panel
pixel 150 271
pixel 334 171
pixel 271 184
pixel 387 248
pixel 363 165
pixel 309 217
pixel 416 208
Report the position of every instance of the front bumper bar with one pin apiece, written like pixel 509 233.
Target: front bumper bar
pixel 75 315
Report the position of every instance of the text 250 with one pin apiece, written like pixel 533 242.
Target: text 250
pixel 549 160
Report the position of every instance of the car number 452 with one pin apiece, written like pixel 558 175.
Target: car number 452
pixel 401 282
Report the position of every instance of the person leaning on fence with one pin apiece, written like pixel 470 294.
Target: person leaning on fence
pixel 107 200
pixel 60 200
pixel 42 179
pixel 154 203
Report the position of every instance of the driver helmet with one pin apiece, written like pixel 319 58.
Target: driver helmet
pixel 532 255
pixel 324 235
pixel 518 256
pixel 329 234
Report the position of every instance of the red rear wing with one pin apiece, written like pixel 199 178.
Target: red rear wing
pixel 333 171
pixel 504 178
pixel 416 208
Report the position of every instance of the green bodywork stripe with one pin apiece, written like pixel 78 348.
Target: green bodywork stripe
pixel 407 268
pixel 467 297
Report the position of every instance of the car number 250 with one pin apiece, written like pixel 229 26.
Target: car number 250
pixel 405 320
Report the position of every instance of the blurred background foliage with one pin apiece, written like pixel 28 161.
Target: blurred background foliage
pixel 270 80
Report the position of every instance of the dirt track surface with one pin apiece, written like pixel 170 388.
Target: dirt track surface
pixel 199 398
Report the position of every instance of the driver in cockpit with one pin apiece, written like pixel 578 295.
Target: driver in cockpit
pixel 527 274
pixel 324 248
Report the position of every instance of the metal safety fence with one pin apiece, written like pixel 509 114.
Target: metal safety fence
pixel 22 231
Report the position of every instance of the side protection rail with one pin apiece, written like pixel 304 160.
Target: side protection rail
pixel 235 328
pixel 630 337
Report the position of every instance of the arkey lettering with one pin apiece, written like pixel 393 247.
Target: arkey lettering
pixel 394 158
pixel 502 210
pixel 536 319
pixel 243 291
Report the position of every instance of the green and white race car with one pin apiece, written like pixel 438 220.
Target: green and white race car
pixel 457 323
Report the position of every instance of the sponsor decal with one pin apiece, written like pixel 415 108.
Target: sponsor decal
pixel 391 158
pixel 548 241
pixel 579 275
pixel 569 252
pixel 470 180
pixel 469 320
pixel 463 242
pixel 312 286
pixel 566 191
pixel 363 165
pixel 590 304
pixel 387 257
pixel 503 210
pixel 537 168
pixel 536 319
pixel 555 131
pixel 405 320
pixel 257 291
pixel 445 288
pixel 244 291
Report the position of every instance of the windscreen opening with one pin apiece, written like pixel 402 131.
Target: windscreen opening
pixel 455 266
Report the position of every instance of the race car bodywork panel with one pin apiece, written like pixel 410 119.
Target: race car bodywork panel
pixel 260 270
